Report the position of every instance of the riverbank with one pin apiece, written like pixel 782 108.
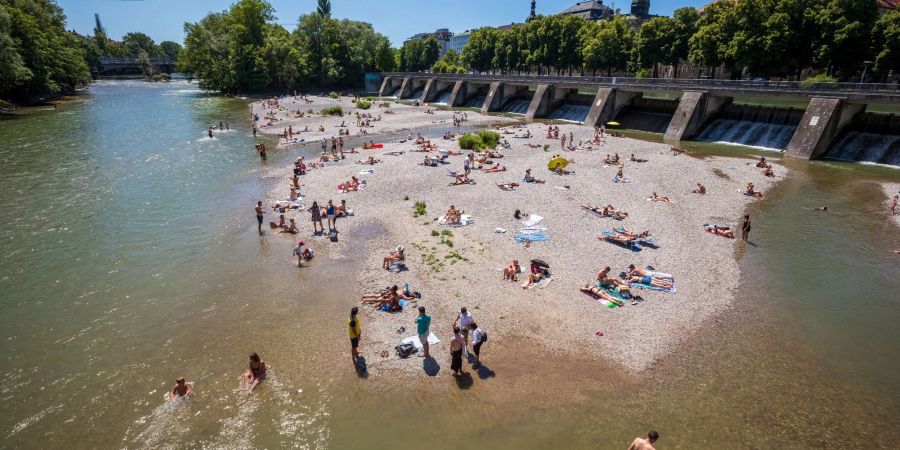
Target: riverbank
pixel 890 190
pixel 466 271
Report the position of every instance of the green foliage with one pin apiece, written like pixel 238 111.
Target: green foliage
pixel 607 44
pixel 170 49
pixel 334 95
pixel 479 140
pixel 447 233
pixel 886 43
pixel 335 110
pixel 419 54
pixel 434 233
pixel 419 209
pixel 324 8
pixel 38 57
pixel 449 63
pixel 138 43
pixel 818 80
pixel 363 104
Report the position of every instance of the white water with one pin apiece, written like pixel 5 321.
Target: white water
pixel 867 147
pixel 753 134
pixel 517 106
pixel 475 102
pixel 443 99
pixel 574 113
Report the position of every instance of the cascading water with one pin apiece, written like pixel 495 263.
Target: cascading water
pixel 475 102
pixel 753 126
pixel 395 93
pixel 570 112
pixel 870 147
pixel 516 106
pixel 416 94
pixel 443 98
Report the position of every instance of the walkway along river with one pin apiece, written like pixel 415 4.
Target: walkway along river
pixel 129 259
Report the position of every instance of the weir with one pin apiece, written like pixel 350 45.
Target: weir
pixel 680 109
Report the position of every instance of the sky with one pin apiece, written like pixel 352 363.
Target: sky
pixel 164 20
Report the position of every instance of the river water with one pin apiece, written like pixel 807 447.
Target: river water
pixel 130 257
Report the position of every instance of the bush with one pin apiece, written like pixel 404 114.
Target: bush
pixel 333 95
pixel 333 111
pixel 363 104
pixel 813 82
pixel 479 140
pixel 419 209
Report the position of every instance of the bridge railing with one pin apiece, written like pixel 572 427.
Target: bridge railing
pixel 675 83
pixel 109 60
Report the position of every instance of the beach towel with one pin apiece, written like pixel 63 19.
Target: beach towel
pixel 414 340
pixel 648 239
pixel 621 180
pixel 533 230
pixel 629 244
pixel 387 308
pixel 532 220
pixel 541 284
pixel 652 288
pixel 367 171
pixel 522 238
pixel 464 220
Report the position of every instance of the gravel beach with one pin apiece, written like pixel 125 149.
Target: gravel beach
pixel 890 190
pixel 557 316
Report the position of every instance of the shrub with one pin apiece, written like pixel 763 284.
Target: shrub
pixel 817 80
pixel 333 111
pixel 489 138
pixel 419 209
pixel 479 140
pixel 363 104
pixel 333 94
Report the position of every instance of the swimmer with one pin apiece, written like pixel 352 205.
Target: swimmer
pixel 822 208
pixel 256 373
pixel 181 389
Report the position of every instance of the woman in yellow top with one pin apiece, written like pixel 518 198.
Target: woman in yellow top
pixel 355 331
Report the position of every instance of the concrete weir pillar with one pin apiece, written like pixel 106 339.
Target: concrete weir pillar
pixel 823 120
pixel 429 85
pixel 608 103
pixel 385 86
pixel 404 86
pixel 458 94
pixel 693 110
pixel 494 98
pixel 539 103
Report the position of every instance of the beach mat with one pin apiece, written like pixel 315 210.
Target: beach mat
pixel 464 220
pixel 532 220
pixel 414 340
pixel 387 308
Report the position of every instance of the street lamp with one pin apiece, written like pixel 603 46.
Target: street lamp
pixel 865 67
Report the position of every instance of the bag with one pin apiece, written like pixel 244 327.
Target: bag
pixel 405 350
pixel 483 337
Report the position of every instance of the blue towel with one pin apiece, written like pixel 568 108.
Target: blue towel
pixel 650 287
pixel 531 237
pixel 387 308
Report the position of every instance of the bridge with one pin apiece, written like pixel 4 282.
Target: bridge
pixel 831 106
pixel 110 66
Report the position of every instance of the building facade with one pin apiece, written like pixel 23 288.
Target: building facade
pixel 443 36
pixel 458 41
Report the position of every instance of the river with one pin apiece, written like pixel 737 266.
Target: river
pixel 130 257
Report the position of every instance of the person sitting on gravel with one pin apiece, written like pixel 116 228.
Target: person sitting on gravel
pixel 394 257
pixel 752 192
pixel 387 297
pixel 531 179
pixel 660 199
pixel 429 162
pixel 512 271
pixel 768 172
pixel 721 231
pixel 630 233
pixel 606 211
pixel 460 180
pixel 762 162
pixel 494 169
pixel 701 189
pixel 453 216
pixel 536 275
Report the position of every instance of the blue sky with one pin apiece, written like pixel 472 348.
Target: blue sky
pixel 397 19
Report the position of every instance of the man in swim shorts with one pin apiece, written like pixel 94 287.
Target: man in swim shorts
pixel 423 324
pixel 259 216
pixel 181 389
pixel 355 331
pixel 645 444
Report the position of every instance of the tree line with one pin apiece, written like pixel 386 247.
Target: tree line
pixel 767 38
pixel 39 58
pixel 242 50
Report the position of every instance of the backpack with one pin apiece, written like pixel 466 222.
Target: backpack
pixel 405 350
pixel 483 336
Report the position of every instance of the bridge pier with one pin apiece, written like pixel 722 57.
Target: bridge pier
pixel 385 85
pixel 546 98
pixel 404 88
pixel 822 122
pixel 494 98
pixel 389 85
pixel 694 108
pixel 608 103
pixel 458 94
pixel 425 91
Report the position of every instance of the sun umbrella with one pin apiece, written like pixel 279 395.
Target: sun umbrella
pixel 558 162
pixel 613 124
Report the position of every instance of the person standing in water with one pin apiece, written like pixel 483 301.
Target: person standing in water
pixel 745 228
pixel 181 389
pixel 894 205
pixel 259 216
pixel 645 444
pixel 355 330
pixel 209 132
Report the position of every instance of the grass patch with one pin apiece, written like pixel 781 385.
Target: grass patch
pixel 363 104
pixel 333 111
pixel 333 95
pixel 479 140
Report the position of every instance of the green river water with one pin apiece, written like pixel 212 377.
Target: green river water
pixel 130 257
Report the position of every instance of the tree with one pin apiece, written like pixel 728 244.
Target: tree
pixel 478 53
pixel 608 47
pixel 684 25
pixel 324 8
pixel 886 43
pixel 431 52
pixel 140 42
pixel 654 44
pixel 844 34
pixel 170 49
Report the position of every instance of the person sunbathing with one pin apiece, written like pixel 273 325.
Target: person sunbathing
pixel 608 160
pixel 453 215
pixel 768 172
pixel 630 233
pixel 370 161
pixel 600 293
pixel 617 238
pixel 494 169
pixel 494 154
pixel 530 179
pixel 511 272
pixel 701 189
pixel 508 186
pixel 620 176
pixel 280 224
pixel 341 210
pixel 460 180
pixel 395 256
pixel 660 199
pixel 633 159
pixel 606 211
pixel 753 193
pixel 387 297
pixel 483 159
pixel 651 281
pixel 721 231
pixel 535 276
pixel 284 206
pixel 637 271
